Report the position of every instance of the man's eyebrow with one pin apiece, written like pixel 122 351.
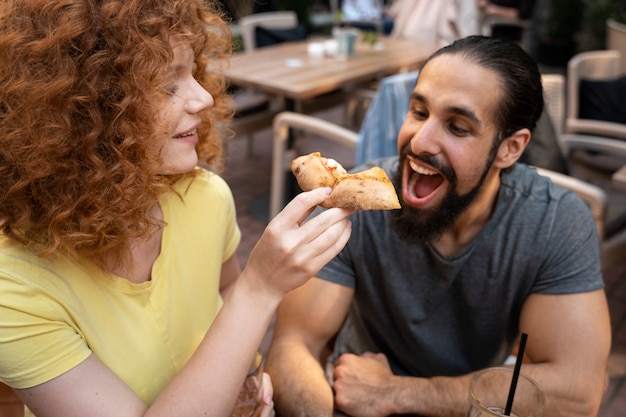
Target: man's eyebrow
pixel 464 112
pixel 418 97
pixel 415 96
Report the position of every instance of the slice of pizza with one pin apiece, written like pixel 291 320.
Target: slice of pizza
pixel 366 190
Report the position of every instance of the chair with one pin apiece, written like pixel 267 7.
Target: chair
pixel 593 195
pixel 377 136
pixel 281 156
pixel 595 130
pixel 616 39
pixel 281 20
pixel 613 233
pixel 254 110
pixel 585 67
pixel 509 28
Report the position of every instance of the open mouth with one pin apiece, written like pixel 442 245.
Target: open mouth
pixel 422 182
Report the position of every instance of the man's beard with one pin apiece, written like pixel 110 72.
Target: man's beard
pixel 424 226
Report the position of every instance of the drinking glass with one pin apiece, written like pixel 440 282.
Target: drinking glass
pixel 489 392
pixel 249 404
pixel 346 40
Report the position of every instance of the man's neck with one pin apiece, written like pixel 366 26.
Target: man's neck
pixel 472 221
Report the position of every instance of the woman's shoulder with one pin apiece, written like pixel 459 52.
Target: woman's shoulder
pixel 201 182
pixel 205 190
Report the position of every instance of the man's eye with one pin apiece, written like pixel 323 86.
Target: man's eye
pixel 420 114
pixel 458 130
pixel 172 90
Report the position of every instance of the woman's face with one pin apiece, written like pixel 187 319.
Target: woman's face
pixel 181 114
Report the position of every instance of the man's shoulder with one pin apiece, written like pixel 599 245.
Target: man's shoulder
pixel 527 182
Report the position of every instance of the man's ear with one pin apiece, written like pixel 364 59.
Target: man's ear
pixel 511 148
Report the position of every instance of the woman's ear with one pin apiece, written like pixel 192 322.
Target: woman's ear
pixel 511 148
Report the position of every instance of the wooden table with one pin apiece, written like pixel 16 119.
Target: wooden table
pixel 287 71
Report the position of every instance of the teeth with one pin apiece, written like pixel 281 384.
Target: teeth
pixel 421 170
pixel 193 132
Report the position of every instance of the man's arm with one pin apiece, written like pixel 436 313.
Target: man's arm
pixel 569 340
pixel 306 320
pixel 568 345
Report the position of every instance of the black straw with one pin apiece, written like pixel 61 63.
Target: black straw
pixel 518 365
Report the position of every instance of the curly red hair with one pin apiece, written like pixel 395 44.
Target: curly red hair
pixel 80 84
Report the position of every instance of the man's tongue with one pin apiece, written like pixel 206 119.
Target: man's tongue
pixel 426 184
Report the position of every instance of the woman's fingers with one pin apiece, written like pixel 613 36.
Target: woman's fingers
pixel 298 209
pixel 294 247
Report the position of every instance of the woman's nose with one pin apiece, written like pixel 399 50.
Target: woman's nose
pixel 199 99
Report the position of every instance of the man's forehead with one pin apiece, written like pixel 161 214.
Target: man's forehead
pixel 459 81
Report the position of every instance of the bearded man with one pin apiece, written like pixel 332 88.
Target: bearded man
pixel 483 249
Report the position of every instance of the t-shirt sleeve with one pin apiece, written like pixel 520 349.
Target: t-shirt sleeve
pixel 572 262
pixel 34 325
pixel 341 268
pixel 233 233
pixel 216 200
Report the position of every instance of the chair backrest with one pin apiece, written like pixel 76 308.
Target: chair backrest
pixel 591 66
pixel 594 196
pixel 270 20
pixel 554 97
pixel 616 39
pixel 285 122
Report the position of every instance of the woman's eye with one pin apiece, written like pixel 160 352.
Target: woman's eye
pixel 172 90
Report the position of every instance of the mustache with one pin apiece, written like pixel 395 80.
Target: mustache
pixel 444 169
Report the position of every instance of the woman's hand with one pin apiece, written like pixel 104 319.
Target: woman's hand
pixel 292 249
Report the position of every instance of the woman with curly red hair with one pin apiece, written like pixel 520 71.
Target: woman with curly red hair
pixel 121 293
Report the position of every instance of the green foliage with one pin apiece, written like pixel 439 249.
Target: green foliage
pixel 237 44
pixel 598 12
pixel 370 36
pixel 565 19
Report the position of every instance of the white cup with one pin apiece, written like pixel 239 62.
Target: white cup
pixel 315 49
pixel 330 47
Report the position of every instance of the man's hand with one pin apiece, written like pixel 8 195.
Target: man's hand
pixel 359 384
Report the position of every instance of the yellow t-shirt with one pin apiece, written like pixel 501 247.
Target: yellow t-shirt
pixel 54 312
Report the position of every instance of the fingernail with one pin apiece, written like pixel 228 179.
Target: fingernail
pixel 327 190
pixel 268 399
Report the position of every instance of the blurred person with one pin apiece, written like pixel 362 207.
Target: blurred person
pixel 437 23
pixel 121 292
pixel 482 250
pixel 366 15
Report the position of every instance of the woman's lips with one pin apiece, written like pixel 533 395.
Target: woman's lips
pixel 191 136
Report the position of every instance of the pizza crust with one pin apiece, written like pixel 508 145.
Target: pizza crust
pixel 366 190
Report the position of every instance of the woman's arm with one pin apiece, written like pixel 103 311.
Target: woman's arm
pixel 290 251
pixel 306 320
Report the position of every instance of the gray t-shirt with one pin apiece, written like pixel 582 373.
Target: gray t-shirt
pixel 436 316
